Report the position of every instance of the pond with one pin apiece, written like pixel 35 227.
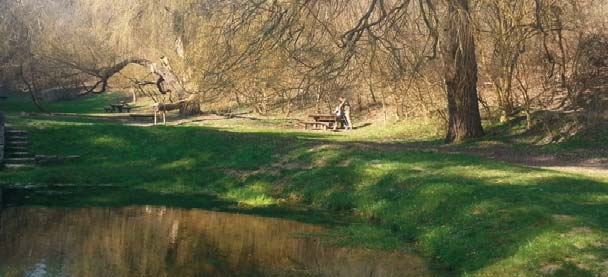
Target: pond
pixel 161 241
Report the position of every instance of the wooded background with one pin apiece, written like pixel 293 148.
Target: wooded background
pixel 396 58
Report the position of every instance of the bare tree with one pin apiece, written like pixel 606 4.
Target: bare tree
pixel 406 57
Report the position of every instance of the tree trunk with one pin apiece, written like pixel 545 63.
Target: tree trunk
pixel 191 106
pixel 460 64
pixel 32 88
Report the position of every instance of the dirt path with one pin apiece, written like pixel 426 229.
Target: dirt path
pixel 140 120
pixel 589 162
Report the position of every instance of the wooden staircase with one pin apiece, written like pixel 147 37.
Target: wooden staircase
pixel 16 155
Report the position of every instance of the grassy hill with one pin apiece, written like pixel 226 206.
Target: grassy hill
pixel 464 214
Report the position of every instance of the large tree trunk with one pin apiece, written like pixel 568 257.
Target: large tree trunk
pixel 460 64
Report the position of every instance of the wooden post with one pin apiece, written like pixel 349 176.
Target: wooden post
pixel 133 94
pixel 155 116
pixel 165 117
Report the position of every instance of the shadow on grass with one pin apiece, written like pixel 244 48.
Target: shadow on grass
pixel 464 213
pixel 107 196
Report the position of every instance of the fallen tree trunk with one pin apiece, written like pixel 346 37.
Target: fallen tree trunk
pixel 167 82
pixel 165 107
pixel 187 106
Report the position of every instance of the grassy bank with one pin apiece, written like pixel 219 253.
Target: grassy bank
pixel 464 214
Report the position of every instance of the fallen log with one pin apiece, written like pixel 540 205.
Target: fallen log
pixel 184 106
pixel 167 82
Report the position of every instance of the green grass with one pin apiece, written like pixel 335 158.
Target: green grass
pixel 420 131
pixel 21 102
pixel 464 214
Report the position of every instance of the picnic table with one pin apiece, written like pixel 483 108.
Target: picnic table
pixel 323 121
pixel 118 108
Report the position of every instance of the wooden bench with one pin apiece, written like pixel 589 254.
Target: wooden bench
pixel 118 108
pixel 323 121
pixel 316 125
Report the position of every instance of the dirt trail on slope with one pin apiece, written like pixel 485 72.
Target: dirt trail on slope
pixel 589 162
pixel 582 161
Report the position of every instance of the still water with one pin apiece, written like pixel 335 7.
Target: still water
pixel 157 241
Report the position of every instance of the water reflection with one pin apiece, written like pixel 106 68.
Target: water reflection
pixel 152 241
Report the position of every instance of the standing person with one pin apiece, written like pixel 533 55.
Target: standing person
pixel 345 110
pixel 340 114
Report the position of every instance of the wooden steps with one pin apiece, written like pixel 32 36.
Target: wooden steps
pixel 17 143
pixel 10 132
pixel 19 160
pixel 18 166
pixel 21 154
pixel 16 155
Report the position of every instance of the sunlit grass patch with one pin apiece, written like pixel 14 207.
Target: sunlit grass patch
pixel 424 131
pixel 187 163
pixel 577 251
pixel 108 140
pixel 254 195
